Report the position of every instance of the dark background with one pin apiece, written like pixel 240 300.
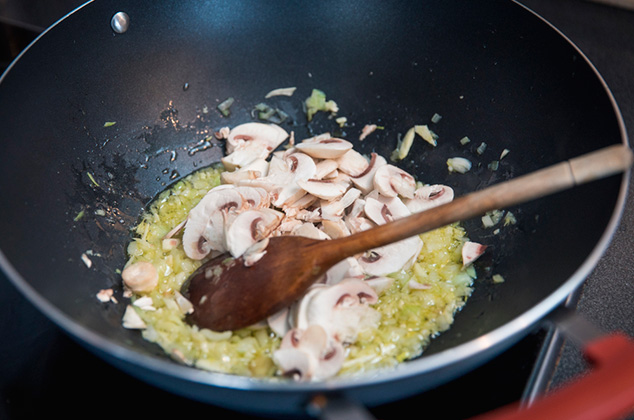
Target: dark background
pixel 43 372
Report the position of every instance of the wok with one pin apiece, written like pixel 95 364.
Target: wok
pixel 496 73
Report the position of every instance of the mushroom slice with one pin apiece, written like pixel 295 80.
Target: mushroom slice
pixel 382 210
pixel 334 210
pixel 278 322
pixel 204 229
pixel 379 283
pixel 309 230
pixel 243 157
pixel 254 197
pixel 352 163
pixel 324 188
pixel 295 363
pixel 429 196
pixel 342 309
pixel 471 251
pixel 249 227
pixel 245 135
pixel 348 268
pixel 324 148
pixel 256 169
pixel 365 180
pixel 300 168
pixel 391 258
pixel 335 228
pixel 325 168
pixel 391 181
pixel 140 277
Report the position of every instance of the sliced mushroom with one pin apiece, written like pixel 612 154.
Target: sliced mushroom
pixel 379 283
pixel 471 251
pixel 334 210
pixel 256 169
pixel 324 188
pixel 309 230
pixel 140 277
pixel 255 252
pixel 325 168
pixel 324 148
pixel 249 227
pixel 428 197
pixel 382 210
pixel 348 268
pixel 204 230
pixel 245 135
pixel 365 180
pixel 342 309
pixel 278 322
pixel 325 355
pixel 391 258
pixel 335 228
pixel 352 163
pixel 391 181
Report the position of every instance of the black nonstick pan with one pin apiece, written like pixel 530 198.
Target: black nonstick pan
pixel 73 183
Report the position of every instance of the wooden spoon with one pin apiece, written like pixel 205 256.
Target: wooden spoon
pixel 227 295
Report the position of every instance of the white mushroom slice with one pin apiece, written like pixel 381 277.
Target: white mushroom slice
pixel 309 230
pixel 384 210
pixel 295 363
pixel 324 188
pixel 391 258
pixel 379 283
pixel 250 227
pixel 335 228
pixel 365 180
pixel 256 169
pixel 342 310
pixel 429 196
pixel 300 168
pixel 471 251
pixel 242 157
pixel 140 277
pixel 278 322
pixel 348 268
pixel 204 230
pixel 170 243
pixel 255 252
pixel 306 201
pixel 324 148
pixel 357 208
pixel 352 163
pixel 325 168
pixel 391 181
pixel 287 225
pixel 358 224
pixel 253 197
pixel 245 135
pixel 334 210
pixel 313 216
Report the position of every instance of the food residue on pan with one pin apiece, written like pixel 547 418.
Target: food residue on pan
pixel 370 311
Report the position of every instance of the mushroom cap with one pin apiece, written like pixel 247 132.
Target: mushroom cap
pixel 204 229
pixel 244 135
pixel 250 227
pixel 392 181
pixel 382 210
pixel 365 180
pixel 391 258
pixel 322 147
pixel 429 196
pixel 326 189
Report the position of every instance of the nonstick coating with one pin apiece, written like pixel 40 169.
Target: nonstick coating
pixel 73 185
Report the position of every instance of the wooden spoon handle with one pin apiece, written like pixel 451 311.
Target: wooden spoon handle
pixel 592 166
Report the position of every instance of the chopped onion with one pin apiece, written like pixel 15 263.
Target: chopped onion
pixel 427 135
pixel 435 118
pixel 465 140
pixel 281 92
pixel 458 164
pixel 224 106
pixel 481 148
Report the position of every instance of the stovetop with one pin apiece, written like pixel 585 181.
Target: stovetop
pixel 44 372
